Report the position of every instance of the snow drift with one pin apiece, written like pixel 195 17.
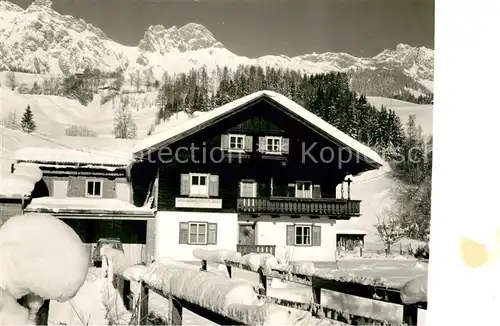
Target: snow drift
pixel 219 256
pixel 415 290
pixel 41 255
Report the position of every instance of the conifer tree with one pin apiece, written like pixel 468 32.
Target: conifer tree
pixel 28 121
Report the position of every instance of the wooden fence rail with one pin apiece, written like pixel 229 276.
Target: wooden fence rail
pixel 138 302
pixel 316 283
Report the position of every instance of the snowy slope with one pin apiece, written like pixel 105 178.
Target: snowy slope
pixel 373 187
pixel 53 114
pixel 423 112
pixel 40 40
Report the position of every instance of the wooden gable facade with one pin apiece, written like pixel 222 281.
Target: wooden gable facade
pixel 257 160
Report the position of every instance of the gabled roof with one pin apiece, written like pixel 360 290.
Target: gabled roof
pixel 156 141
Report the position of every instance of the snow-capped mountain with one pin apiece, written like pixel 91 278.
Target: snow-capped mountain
pixel 40 40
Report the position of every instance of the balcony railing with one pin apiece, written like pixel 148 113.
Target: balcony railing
pixel 259 249
pixel 299 206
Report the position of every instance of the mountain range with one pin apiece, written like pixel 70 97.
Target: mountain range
pixel 42 41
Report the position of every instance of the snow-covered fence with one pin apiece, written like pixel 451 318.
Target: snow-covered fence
pixel 215 297
pixel 412 296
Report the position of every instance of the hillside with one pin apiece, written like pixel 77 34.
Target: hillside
pixel 40 40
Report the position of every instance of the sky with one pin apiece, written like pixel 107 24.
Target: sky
pixel 259 27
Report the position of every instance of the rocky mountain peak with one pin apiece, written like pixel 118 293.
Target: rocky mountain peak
pixel 190 37
pixel 42 3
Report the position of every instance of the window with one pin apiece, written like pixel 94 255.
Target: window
pixel 93 188
pixel 303 189
pixel 302 235
pixel 236 142
pixel 273 144
pixel 197 233
pixel 199 185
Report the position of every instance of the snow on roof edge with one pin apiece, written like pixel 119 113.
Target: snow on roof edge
pixel 71 156
pixel 154 141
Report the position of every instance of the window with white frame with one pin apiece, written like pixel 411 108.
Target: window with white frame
pixel 93 188
pixel 198 233
pixel 273 144
pixel 198 185
pixel 236 142
pixel 303 235
pixel 303 189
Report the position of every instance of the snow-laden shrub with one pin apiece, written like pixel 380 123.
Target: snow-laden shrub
pixel 415 290
pixel 42 255
pixel 79 131
pixel 219 256
pixel 422 252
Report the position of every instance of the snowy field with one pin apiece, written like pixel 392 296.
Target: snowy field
pixel 87 308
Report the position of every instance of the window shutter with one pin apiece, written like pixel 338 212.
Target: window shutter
pixel 185 182
pixel 290 235
pixel 224 142
pixel 183 232
pixel 285 145
pixel 316 191
pixel 212 233
pixel 248 143
pixel 213 185
pixel 262 144
pixel 316 235
pixel 291 190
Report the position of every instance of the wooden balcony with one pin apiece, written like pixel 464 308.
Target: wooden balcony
pixel 340 208
pixel 248 249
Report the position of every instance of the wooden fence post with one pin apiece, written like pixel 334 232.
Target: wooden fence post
pixel 127 302
pixel 410 315
pixel 263 281
pixel 42 316
pixel 142 315
pixel 204 265
pixel 316 296
pixel 176 309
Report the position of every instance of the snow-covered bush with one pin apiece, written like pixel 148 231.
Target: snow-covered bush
pixel 422 252
pixel 42 257
pixel 80 131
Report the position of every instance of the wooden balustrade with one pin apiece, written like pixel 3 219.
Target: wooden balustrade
pixel 299 206
pixel 259 249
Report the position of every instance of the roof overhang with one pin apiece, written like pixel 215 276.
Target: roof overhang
pixel 93 214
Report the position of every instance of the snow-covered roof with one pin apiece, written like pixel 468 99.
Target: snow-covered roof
pixel 352 232
pixel 158 140
pixel 81 151
pixel 20 183
pixel 85 205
